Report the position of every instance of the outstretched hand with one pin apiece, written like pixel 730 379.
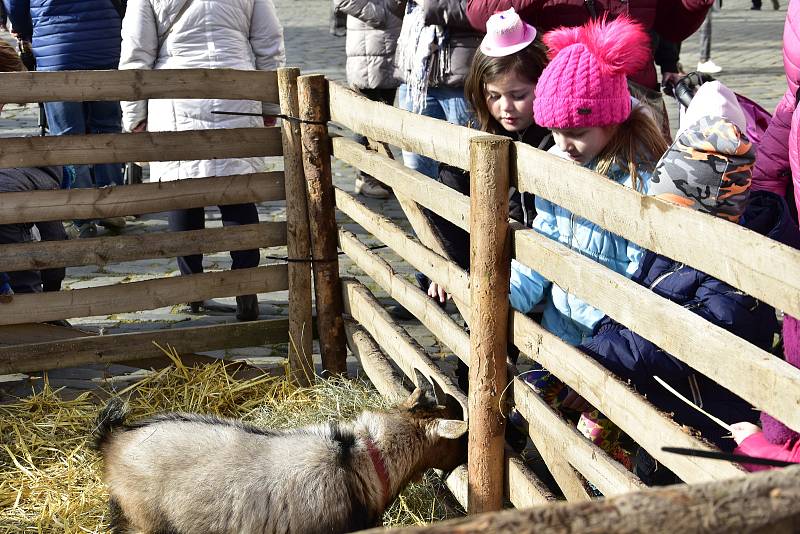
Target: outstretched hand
pixel 437 292
pixel 743 430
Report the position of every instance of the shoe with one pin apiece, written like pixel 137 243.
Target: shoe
pixel 247 308
pixel 754 8
pixel 113 222
pixel 399 312
pixel 776 5
pixel 196 306
pixel 71 229
pixel 369 187
pixel 708 67
pixel 88 229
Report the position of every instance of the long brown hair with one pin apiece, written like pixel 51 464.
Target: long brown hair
pixel 9 59
pixel 638 142
pixel 528 64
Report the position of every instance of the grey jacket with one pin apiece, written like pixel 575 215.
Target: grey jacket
pixel 373 27
pixel 462 39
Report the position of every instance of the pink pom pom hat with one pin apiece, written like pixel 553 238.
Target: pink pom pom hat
pixel 506 33
pixel 585 83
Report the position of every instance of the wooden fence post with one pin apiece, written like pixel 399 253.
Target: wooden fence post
pixel 489 282
pixel 313 94
pixel 298 235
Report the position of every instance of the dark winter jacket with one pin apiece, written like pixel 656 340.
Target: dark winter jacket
pixel 520 205
pixel 32 179
pixel 69 34
pixel 675 20
pixel 633 358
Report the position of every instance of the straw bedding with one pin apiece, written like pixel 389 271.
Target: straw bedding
pixel 50 478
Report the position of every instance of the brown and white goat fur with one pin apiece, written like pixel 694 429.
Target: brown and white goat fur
pixel 188 473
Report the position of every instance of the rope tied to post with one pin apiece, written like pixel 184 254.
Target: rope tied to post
pixel 271 115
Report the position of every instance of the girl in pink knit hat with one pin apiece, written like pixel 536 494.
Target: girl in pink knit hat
pixel 582 96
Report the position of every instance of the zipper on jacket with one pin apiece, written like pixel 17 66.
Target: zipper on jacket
pixel 662 276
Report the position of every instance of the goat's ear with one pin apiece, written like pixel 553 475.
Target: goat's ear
pixel 416 398
pixel 451 428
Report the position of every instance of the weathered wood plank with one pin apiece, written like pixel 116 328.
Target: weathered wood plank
pixel 761 502
pixel 104 250
pixel 429 193
pixel 392 338
pixel 76 86
pixel 755 264
pixel 145 295
pixel 490 260
pixel 746 370
pixel 105 202
pixel 301 366
pixel 409 131
pixel 546 427
pixel 118 348
pixel 434 266
pixel 408 295
pixel 315 112
pixel 376 365
pixel 630 411
pixel 144 146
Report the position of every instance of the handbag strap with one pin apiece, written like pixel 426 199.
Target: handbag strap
pixel 163 36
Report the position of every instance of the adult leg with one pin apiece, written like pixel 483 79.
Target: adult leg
pixel 183 220
pixel 367 185
pixel 705 38
pixel 425 165
pixel 235 215
pixel 105 117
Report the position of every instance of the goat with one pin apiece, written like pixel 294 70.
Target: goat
pixel 182 473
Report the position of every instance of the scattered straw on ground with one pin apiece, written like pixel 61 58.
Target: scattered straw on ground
pixel 50 477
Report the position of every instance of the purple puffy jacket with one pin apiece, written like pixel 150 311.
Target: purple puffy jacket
pixel 778 155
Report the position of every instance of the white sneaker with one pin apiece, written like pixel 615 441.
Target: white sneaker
pixel 368 186
pixel 708 67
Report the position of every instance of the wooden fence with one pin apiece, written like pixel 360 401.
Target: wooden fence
pixel 272 87
pixel 761 267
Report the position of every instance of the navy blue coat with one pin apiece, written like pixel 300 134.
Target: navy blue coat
pixel 633 358
pixel 69 34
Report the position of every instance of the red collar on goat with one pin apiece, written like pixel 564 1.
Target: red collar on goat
pixel 380 469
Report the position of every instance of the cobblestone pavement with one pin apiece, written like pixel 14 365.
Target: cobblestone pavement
pixel 747 44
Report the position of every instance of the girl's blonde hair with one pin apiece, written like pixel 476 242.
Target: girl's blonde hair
pixel 637 142
pixel 528 64
pixel 9 59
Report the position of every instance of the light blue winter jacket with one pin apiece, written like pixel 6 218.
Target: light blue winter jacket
pixel 565 315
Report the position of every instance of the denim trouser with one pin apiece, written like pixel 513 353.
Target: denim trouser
pixel 446 103
pixel 195 219
pixel 77 118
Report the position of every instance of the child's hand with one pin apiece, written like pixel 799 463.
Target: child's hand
pixel 742 431
pixel 573 401
pixel 437 292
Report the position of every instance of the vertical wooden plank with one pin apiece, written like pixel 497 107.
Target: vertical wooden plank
pixel 489 281
pixel 314 112
pixel 301 367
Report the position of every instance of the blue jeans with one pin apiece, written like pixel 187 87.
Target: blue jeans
pixel 446 103
pixel 77 118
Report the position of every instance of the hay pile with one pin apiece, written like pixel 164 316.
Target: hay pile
pixel 50 477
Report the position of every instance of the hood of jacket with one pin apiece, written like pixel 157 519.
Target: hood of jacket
pixel 19 179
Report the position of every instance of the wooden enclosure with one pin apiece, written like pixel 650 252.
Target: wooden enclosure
pixel 767 270
pixel 267 86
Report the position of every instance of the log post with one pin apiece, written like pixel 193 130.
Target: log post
pixel 298 235
pixel 314 112
pixel 489 281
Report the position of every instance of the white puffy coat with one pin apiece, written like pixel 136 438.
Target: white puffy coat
pixel 237 34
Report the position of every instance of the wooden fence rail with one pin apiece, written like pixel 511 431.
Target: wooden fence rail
pixel 77 204
pixel 77 86
pixel 144 146
pixel 757 265
pixel 104 250
pixel 144 295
